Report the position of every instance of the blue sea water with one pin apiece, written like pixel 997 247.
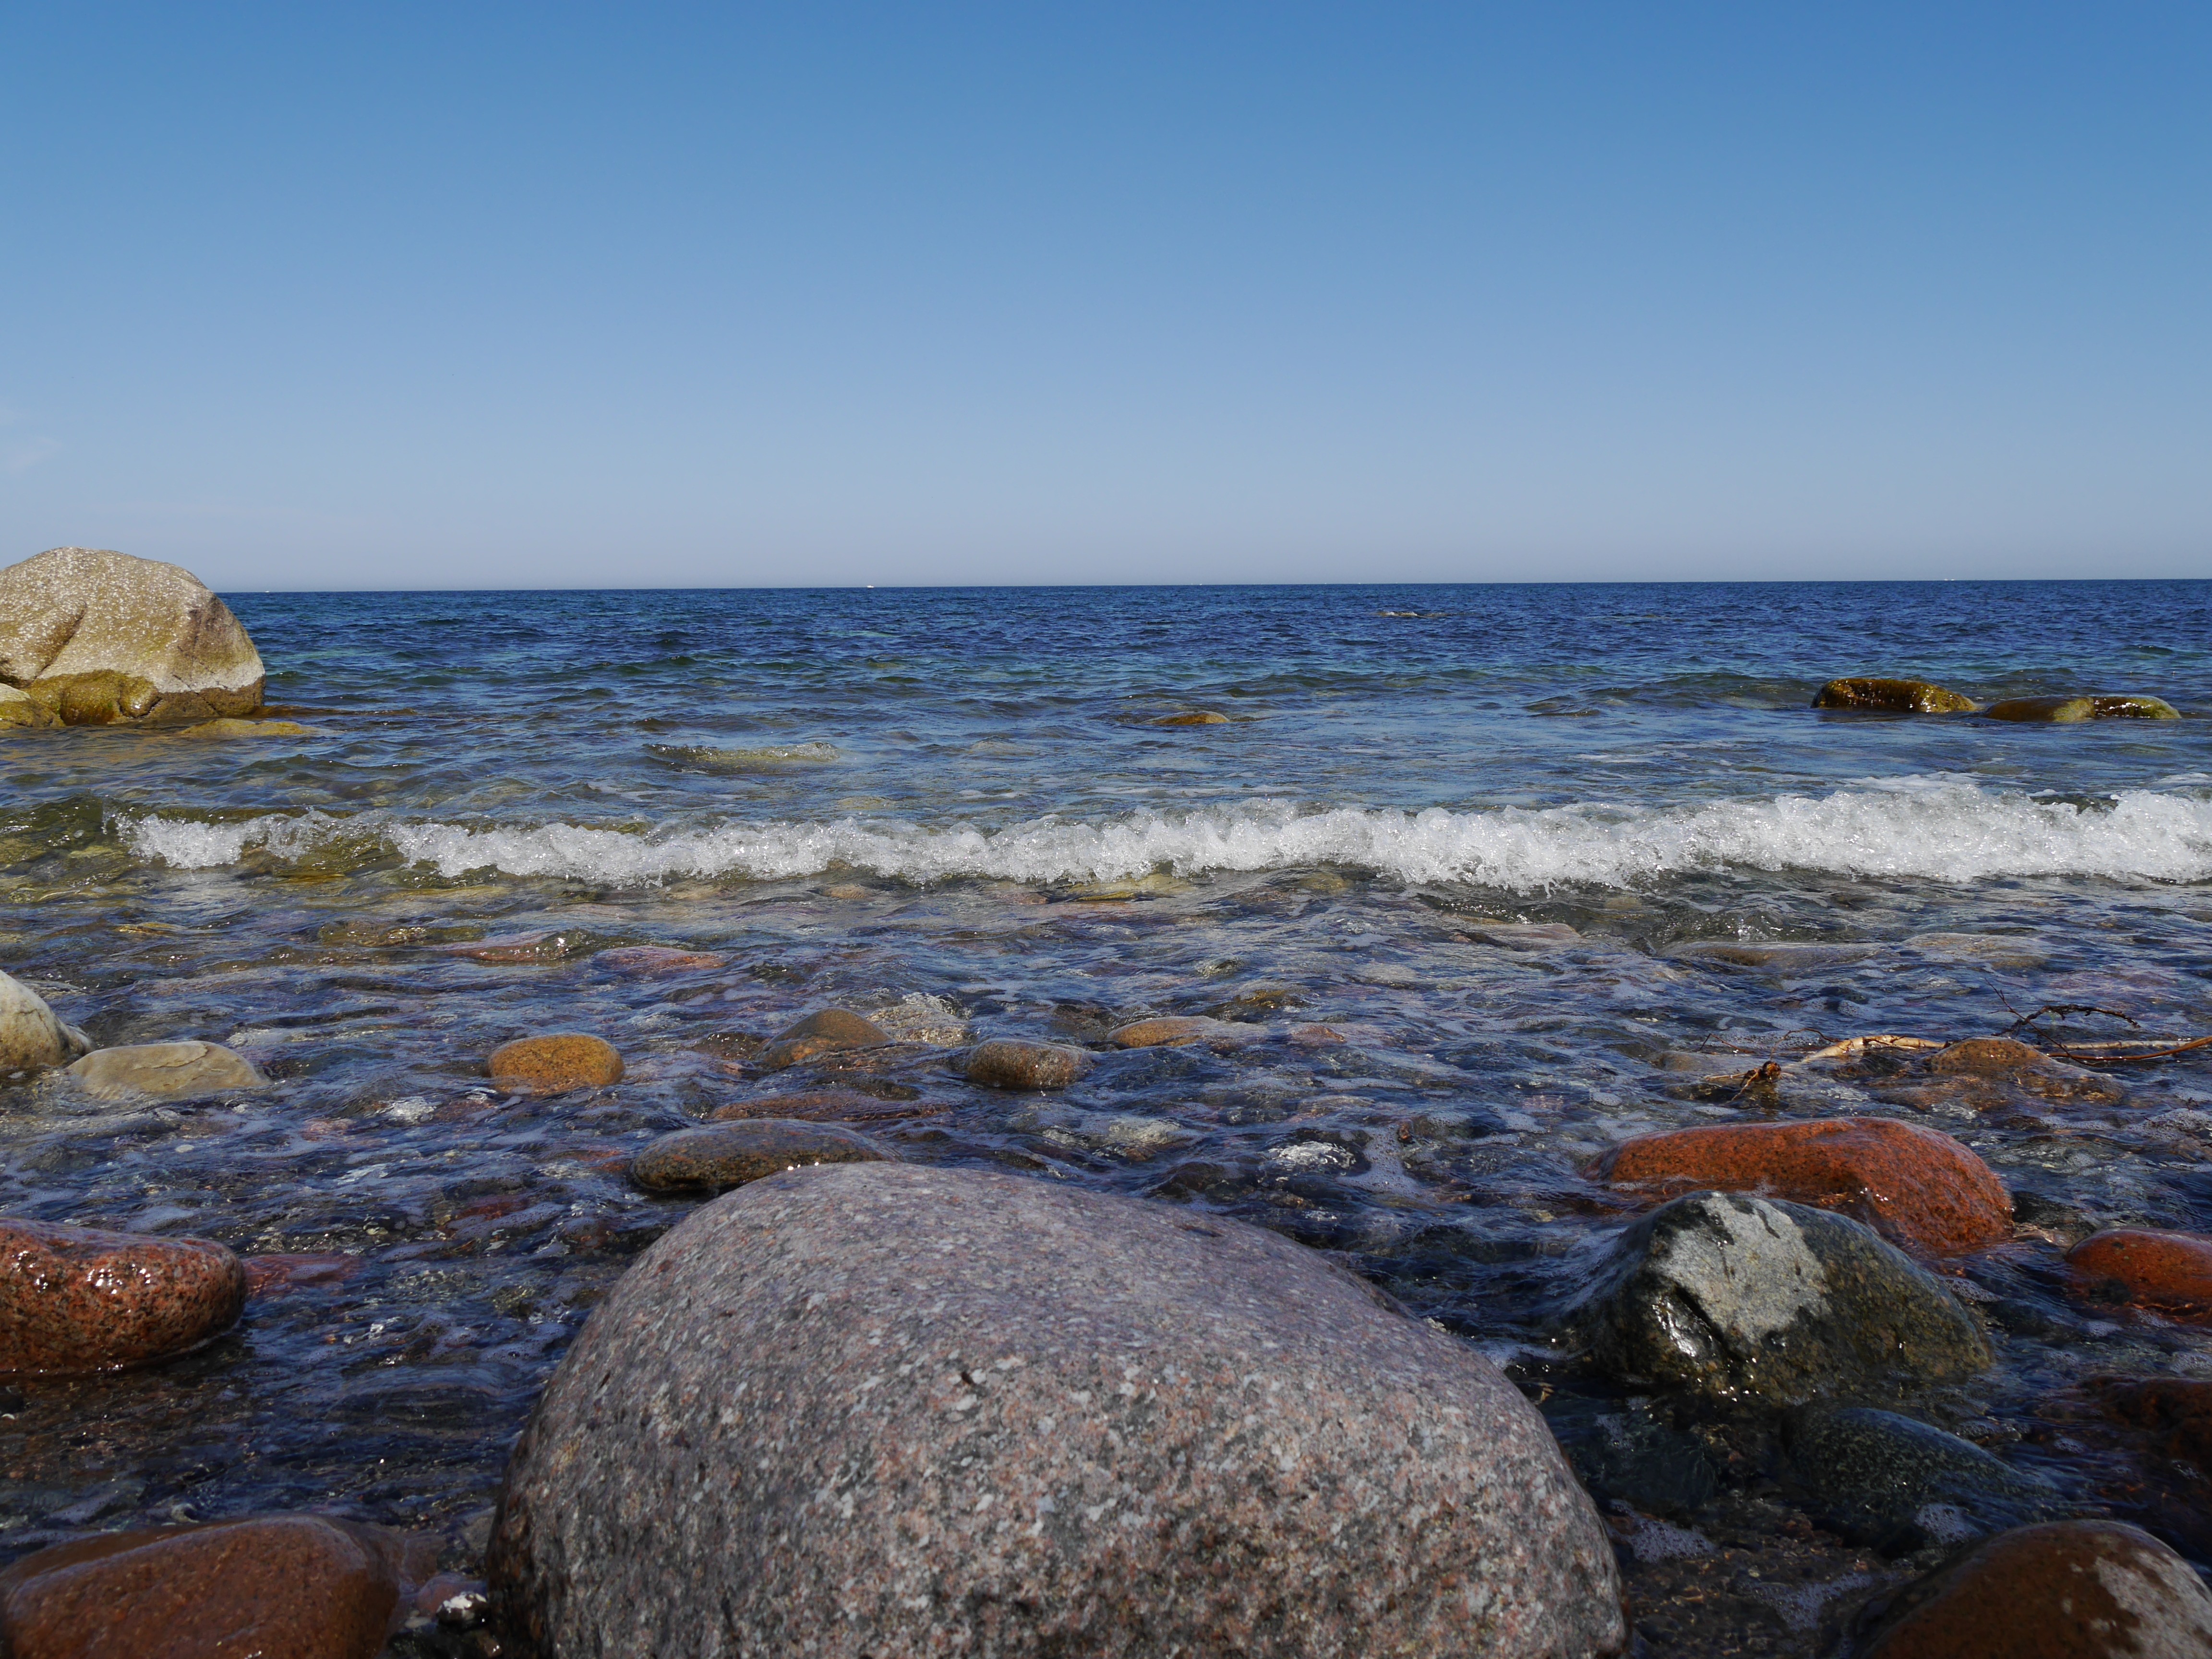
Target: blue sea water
pixel 1489 877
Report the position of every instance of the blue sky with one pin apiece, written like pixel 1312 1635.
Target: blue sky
pixel 491 295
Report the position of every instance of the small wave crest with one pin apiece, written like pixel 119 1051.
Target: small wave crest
pixel 1941 831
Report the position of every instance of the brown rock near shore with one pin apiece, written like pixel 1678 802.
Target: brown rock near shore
pixel 2170 1272
pixel 2067 1589
pixel 833 1031
pixel 1171 1029
pixel 875 1409
pixel 77 1299
pixel 1919 1188
pixel 555 1065
pixel 284 1587
pixel 100 638
pixel 165 1071
pixel 726 1155
pixel 1013 1063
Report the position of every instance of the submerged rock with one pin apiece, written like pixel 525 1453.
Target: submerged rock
pixel 1898 1484
pixel 713 1160
pixel 2066 1590
pixel 2169 1272
pixel 1916 1186
pixel 298 1586
pixel 555 1065
pixel 832 1032
pixel 165 1071
pixel 2066 711
pixel 20 707
pixel 1893 697
pixel 1013 1063
pixel 658 959
pixel 1731 1296
pixel 76 1299
pixel 99 637
pixel 1172 1030
pixel 993 1415
pixel 825 1106
pixel 1193 717
pixel 32 1037
pixel 2177 1410
pixel 239 728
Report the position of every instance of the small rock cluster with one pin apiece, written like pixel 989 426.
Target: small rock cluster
pixel 1910 696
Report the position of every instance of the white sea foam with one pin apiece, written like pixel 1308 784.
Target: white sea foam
pixel 1945 830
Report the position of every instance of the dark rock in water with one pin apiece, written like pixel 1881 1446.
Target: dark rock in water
pixel 1900 1484
pixel 298 1586
pixel 76 1299
pixel 832 1032
pixel 1736 1297
pixel 876 1409
pixel 2066 711
pixel 713 1160
pixel 2177 1410
pixel 1892 696
pixel 1646 1465
pixel 2066 1590
pixel 1011 1063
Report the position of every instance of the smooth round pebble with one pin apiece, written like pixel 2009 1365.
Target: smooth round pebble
pixel 1016 1063
pixel 726 1155
pixel 555 1065
pixel 76 1299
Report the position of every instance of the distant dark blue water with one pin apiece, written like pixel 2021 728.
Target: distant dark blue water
pixel 1492 875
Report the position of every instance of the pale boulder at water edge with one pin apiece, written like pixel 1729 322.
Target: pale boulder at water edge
pixel 872 1407
pixel 31 1035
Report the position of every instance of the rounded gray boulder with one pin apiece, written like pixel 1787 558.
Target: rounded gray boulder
pixel 871 1408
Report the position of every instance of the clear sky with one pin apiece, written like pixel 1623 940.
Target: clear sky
pixel 550 295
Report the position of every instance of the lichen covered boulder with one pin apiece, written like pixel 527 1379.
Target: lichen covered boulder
pixel 1892 696
pixel 875 1408
pixel 1737 1298
pixel 100 638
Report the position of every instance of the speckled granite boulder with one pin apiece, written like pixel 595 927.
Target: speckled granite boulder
pixel 2069 1590
pixel 874 1409
pixel 165 1071
pixel 83 1299
pixel 1746 1298
pixel 1014 1063
pixel 31 1035
pixel 726 1155
pixel 101 638
pixel 287 1587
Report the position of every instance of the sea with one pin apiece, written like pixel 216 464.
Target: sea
pixel 1489 878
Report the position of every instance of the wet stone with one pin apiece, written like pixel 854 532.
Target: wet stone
pixel 996 1415
pixel 31 1035
pixel 1734 1297
pixel 1892 696
pixel 76 1299
pixel 650 959
pixel 726 1155
pixel 1016 1063
pixel 2169 1272
pixel 1172 1030
pixel 2177 1411
pixel 833 1031
pixel 2066 1590
pixel 555 1065
pixel 1900 1484
pixel 301 1587
pixel 826 1106
pixel 165 1071
pixel 2068 711
pixel 1919 1188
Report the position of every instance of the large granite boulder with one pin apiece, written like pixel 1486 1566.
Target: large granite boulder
pixel 1739 1297
pixel 99 638
pixel 31 1035
pixel 874 1408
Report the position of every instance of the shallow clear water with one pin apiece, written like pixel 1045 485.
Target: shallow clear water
pixel 961 811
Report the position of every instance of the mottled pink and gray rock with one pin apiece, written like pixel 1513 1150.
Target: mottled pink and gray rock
pixel 77 1299
pixel 872 1408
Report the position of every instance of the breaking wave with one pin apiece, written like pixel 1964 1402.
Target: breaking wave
pixel 1948 831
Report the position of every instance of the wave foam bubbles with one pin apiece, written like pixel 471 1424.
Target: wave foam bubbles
pixel 1948 831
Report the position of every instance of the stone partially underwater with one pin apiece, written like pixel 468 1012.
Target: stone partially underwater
pixel 94 637
pixel 991 1414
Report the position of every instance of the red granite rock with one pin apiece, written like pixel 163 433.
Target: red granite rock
pixel 288 1586
pixel 2170 1272
pixel 75 1299
pixel 2068 1589
pixel 1013 1063
pixel 1920 1188
pixel 832 1032
pixel 555 1065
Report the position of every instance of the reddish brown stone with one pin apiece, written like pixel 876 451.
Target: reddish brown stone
pixel 77 1299
pixel 2177 1410
pixel 832 1032
pixel 1171 1029
pixel 555 1065
pixel 658 959
pixel 273 1275
pixel 1987 1057
pixel 726 1155
pixel 1011 1063
pixel 2070 1590
pixel 2170 1272
pixel 1921 1189
pixel 301 1587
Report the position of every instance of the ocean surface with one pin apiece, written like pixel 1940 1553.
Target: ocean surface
pixel 1490 873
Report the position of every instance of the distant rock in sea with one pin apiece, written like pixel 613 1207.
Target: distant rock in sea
pixel 1892 696
pixel 99 638
pixel 2066 711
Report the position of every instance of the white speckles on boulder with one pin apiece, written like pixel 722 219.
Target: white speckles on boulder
pixel 874 1408
pixel 98 637
pixel 31 1035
